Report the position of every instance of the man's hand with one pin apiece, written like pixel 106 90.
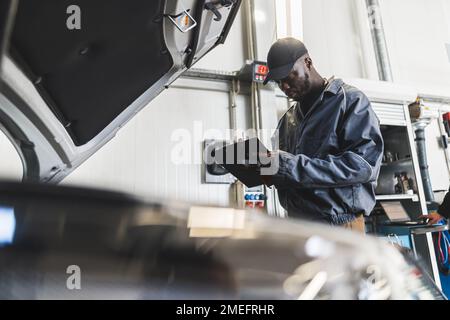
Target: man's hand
pixel 433 217
pixel 266 160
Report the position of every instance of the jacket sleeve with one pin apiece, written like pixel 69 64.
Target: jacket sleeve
pixel 444 208
pixel 358 162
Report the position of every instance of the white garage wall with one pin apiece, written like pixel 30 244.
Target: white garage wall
pixel 416 33
pixel 332 37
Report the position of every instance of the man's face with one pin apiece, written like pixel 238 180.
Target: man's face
pixel 297 84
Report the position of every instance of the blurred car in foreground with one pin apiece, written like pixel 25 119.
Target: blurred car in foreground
pixel 69 243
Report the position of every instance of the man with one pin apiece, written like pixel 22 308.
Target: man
pixel 330 145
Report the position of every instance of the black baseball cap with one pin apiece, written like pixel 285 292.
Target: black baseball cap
pixel 282 56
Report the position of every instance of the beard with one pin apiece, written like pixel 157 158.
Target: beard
pixel 301 89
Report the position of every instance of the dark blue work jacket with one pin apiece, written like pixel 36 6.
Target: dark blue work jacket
pixel 330 157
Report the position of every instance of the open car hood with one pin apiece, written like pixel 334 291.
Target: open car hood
pixel 74 72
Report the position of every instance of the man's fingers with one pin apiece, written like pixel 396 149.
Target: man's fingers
pixel 433 219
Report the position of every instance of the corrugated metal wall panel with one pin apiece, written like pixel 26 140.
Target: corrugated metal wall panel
pixel 390 114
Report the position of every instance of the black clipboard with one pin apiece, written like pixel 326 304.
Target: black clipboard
pixel 243 160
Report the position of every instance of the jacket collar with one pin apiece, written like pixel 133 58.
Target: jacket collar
pixel 334 85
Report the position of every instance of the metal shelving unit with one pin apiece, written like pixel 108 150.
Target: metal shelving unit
pixel 393 197
pixel 397 162
pixel 399 135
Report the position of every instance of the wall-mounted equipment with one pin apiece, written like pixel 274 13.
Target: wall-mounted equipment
pixel 253 71
pixel 250 198
pixel 260 71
